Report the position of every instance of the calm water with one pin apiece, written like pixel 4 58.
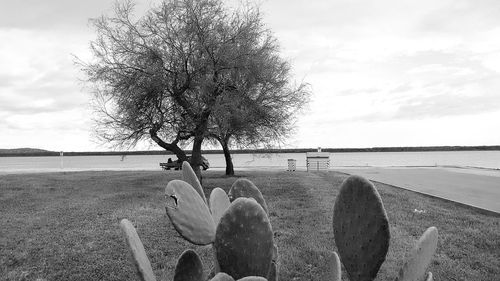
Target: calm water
pixel 484 159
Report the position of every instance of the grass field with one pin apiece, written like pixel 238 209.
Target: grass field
pixel 64 226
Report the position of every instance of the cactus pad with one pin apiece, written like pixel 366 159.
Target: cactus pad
pixel 188 213
pixel 273 269
pixel 253 278
pixel 244 240
pixel 190 177
pixel 273 272
pixel 189 267
pixel 361 228
pixel 420 256
pixel 141 261
pixel 219 202
pixel 336 268
pixel 246 188
pixel 221 276
pixel 429 276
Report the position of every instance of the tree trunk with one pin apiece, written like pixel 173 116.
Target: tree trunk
pixel 196 156
pixel 181 155
pixel 227 156
pixel 199 136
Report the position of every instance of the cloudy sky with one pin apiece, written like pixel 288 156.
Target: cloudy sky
pixel 383 73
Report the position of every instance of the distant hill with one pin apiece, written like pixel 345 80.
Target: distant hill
pixel 25 151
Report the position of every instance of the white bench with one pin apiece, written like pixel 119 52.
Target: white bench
pixel 318 161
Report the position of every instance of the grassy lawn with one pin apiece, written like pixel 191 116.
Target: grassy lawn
pixel 64 226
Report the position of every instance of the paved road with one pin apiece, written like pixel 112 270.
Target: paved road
pixel 479 188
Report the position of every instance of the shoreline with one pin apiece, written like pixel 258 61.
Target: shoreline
pixel 37 153
pixel 459 169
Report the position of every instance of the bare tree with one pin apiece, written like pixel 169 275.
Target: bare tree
pixel 162 76
pixel 266 114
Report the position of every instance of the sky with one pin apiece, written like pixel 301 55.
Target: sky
pixel 382 73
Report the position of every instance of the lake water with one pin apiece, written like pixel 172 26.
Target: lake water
pixel 482 159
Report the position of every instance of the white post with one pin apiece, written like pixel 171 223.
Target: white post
pixel 62 160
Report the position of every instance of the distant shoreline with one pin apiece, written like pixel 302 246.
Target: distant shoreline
pixel 36 152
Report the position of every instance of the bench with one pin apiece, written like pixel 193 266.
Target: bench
pixel 168 166
pixel 318 161
pixel 178 165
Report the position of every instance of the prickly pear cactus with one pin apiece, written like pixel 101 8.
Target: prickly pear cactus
pixel 244 240
pixel 429 277
pixel 420 256
pixel 189 213
pixel 141 261
pixel 361 228
pixel 219 202
pixel 246 188
pixel 336 268
pixel 190 177
pixel 221 276
pixel 253 278
pixel 189 267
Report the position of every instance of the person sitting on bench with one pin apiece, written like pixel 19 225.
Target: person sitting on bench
pixel 168 162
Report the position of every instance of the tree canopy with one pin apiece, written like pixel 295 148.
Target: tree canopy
pixel 264 118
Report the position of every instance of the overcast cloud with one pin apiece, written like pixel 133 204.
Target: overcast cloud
pixel 383 73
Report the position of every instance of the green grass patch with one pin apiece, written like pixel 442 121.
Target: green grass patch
pixel 65 226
